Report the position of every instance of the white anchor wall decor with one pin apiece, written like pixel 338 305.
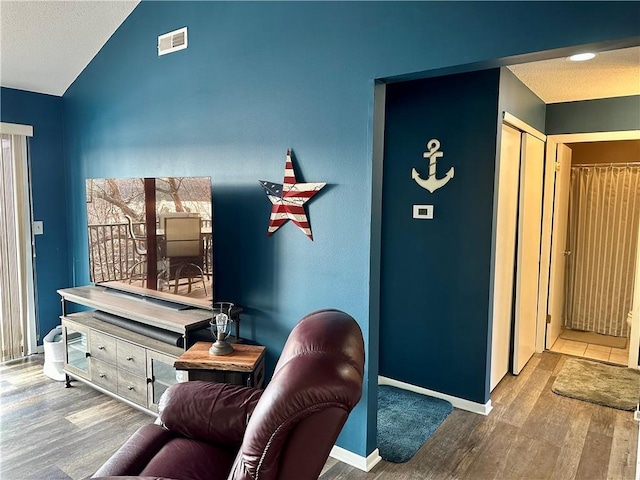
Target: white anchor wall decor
pixel 432 183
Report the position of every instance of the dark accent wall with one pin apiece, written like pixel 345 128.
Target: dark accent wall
pixel 602 115
pixel 435 273
pixel 48 190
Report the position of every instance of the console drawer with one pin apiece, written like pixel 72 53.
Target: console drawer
pixel 132 358
pixel 104 374
pixel 132 387
pixel 103 347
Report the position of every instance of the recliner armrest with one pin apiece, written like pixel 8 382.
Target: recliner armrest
pixel 211 412
pixel 133 456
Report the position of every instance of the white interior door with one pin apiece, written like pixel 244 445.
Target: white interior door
pixel 505 247
pixel 559 244
pixel 528 250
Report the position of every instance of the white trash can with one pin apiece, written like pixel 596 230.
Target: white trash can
pixel 54 354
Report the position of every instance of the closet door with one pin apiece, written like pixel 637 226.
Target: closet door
pixel 505 248
pixel 528 250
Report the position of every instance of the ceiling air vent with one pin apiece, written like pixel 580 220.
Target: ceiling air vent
pixel 172 41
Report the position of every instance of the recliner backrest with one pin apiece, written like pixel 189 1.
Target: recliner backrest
pixel 316 384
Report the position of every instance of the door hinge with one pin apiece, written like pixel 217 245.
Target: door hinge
pixel 548 318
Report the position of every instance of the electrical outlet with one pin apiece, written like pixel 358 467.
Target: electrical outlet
pixel 38 227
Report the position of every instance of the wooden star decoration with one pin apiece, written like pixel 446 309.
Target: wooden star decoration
pixel 288 200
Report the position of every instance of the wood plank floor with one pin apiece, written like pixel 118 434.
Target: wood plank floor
pixel 49 432
pixel 531 434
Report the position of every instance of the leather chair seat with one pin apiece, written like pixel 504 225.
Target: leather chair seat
pixel 176 460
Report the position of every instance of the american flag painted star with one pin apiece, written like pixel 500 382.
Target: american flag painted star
pixel 288 200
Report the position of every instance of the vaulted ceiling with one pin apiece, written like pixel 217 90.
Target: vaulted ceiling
pixel 45 45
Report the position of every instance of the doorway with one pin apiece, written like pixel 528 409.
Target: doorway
pixel 559 254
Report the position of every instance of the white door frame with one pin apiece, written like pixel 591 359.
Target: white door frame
pixel 557 257
pixel 552 142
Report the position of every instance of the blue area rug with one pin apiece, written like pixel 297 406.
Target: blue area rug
pixel 406 420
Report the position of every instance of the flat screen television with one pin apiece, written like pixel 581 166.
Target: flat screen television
pixel 152 237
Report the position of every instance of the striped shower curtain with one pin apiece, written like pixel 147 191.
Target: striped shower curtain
pixel 604 211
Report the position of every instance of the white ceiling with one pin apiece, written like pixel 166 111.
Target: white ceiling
pixel 44 45
pixel 614 73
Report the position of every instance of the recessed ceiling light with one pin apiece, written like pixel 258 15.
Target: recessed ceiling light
pixel 581 57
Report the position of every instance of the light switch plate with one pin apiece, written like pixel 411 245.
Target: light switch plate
pixel 38 228
pixel 424 212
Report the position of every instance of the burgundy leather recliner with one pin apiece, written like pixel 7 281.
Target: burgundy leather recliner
pixel 214 431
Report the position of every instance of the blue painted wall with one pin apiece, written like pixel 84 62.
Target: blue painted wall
pixel 435 274
pixel 48 184
pixel 602 115
pixel 260 77
pixel 516 98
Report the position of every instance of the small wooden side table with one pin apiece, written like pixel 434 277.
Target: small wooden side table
pixel 244 366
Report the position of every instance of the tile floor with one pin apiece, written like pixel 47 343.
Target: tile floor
pixel 617 356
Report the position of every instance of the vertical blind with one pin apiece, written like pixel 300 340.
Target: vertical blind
pixel 15 247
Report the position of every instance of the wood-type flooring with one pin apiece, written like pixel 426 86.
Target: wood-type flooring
pixel 531 434
pixel 49 432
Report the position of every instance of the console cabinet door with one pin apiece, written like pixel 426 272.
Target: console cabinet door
pixel 160 376
pixel 76 348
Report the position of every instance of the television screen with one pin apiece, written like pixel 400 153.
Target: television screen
pixel 152 236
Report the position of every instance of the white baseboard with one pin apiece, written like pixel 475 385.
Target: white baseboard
pixel 366 464
pixel 350 458
pixel 457 402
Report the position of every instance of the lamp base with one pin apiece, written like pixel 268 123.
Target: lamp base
pixel 221 348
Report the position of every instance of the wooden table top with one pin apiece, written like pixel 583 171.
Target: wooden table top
pixel 244 358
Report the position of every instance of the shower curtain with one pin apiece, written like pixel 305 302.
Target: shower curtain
pixel 604 211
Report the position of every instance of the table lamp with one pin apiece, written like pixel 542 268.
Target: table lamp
pixel 220 329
